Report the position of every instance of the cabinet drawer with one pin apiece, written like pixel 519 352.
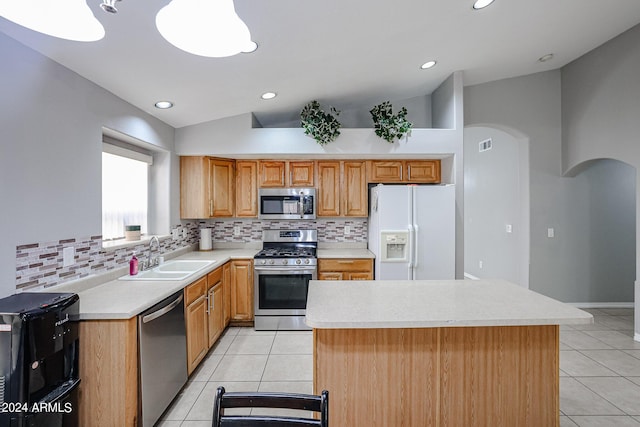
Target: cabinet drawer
pixel 214 277
pixel 344 265
pixel 195 290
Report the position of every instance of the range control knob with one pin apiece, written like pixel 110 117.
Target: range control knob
pixel 307 261
pixel 284 261
pixel 298 261
pixel 271 261
pixel 264 261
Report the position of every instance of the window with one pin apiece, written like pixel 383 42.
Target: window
pixel 125 189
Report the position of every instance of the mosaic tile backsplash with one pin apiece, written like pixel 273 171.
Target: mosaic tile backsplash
pixel 40 264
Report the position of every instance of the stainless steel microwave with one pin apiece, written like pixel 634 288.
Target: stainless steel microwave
pixel 287 203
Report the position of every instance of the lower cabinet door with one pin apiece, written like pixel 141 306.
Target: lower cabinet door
pixel 197 339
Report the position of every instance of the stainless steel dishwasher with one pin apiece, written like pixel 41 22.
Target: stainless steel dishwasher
pixel 163 356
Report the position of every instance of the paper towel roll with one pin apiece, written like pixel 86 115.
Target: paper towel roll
pixel 205 239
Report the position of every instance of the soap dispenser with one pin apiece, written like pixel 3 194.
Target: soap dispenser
pixel 133 265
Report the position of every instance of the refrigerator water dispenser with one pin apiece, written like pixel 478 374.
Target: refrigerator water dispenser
pixel 395 246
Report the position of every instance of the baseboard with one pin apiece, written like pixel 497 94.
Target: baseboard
pixel 470 276
pixel 602 304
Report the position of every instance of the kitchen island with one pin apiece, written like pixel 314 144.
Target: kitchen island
pixel 437 353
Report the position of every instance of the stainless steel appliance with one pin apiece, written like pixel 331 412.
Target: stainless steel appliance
pixel 282 271
pixel 287 203
pixel 163 356
pixel 39 355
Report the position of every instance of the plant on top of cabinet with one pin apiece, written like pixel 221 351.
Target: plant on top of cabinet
pixel 387 125
pixel 321 126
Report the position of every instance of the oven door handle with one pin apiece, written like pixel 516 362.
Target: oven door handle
pixel 280 270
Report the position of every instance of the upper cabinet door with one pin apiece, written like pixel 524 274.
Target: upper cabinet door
pixel 301 174
pixel 222 187
pixel 272 173
pixel 246 188
pixel 423 171
pixel 385 171
pixel 194 187
pixel 354 185
pixel 328 193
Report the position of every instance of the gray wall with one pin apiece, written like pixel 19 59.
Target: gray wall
pixel 51 123
pixel 572 266
pixel 492 200
pixel 531 105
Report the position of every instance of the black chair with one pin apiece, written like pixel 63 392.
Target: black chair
pixel 305 402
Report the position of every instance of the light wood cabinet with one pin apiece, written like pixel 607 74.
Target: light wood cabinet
pixel 246 188
pixel 281 173
pixel 206 187
pixel 342 188
pixel 196 322
pixel 241 291
pixel 226 293
pixel 215 308
pixel 404 171
pixel 301 173
pixel 354 184
pixel 345 269
pixel 328 193
pixel 223 187
pixel 108 368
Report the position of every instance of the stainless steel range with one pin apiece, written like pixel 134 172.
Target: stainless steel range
pixel 282 271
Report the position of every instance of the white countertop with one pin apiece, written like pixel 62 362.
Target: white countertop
pixel 345 253
pixel 431 304
pixel 119 299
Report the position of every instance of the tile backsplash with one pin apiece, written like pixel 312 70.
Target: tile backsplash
pixel 41 264
pixel 248 231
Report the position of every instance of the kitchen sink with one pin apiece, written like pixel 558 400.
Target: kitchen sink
pixel 190 265
pixel 171 270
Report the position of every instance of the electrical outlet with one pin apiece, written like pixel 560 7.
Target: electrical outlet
pixel 508 228
pixel 236 230
pixel 480 264
pixel 551 232
pixel 184 232
pixel 68 256
pixel 347 230
pixel 175 234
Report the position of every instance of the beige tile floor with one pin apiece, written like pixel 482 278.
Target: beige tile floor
pixel 599 372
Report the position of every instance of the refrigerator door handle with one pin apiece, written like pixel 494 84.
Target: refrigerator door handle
pixel 416 246
pixel 411 249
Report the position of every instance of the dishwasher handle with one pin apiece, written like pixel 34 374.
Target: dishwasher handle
pixel 164 310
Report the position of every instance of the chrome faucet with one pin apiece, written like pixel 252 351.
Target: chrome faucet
pixel 152 261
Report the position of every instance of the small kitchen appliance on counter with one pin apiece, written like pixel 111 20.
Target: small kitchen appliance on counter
pixel 39 352
pixel 282 271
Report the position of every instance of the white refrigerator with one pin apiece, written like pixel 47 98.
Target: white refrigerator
pixel 412 231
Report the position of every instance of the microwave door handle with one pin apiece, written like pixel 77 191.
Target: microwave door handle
pixel 301 206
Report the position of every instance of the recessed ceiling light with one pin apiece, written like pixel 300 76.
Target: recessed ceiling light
pixel 545 58
pixel 481 4
pixel 163 105
pixel 428 64
pixel 250 47
pixel 268 95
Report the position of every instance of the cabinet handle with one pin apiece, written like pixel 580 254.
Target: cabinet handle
pixel 401 171
pixel 207 298
pixel 291 177
pixel 210 207
pixel 408 172
pixel 345 262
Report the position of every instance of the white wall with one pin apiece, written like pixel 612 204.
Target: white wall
pixel 51 123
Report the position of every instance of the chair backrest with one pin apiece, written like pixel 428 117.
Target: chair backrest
pixel 305 402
